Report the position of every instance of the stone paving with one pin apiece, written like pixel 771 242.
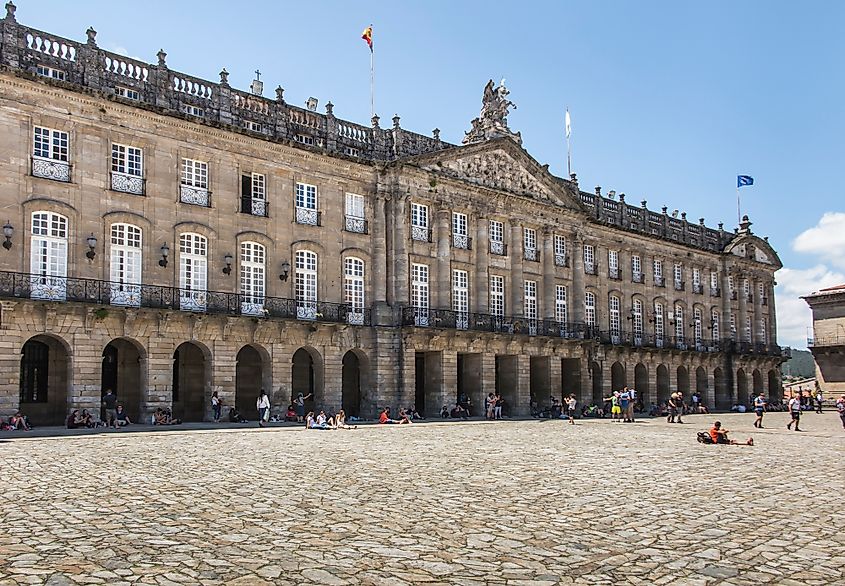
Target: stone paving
pixel 514 502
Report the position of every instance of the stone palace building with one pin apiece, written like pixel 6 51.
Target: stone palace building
pixel 167 237
pixel 828 341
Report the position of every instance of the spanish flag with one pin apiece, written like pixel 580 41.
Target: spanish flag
pixel 368 36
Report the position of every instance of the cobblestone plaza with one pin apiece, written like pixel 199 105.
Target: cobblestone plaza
pixel 516 502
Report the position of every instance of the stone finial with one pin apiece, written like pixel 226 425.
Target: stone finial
pixel 162 56
pixel 375 120
pixel 396 121
pixel 329 108
pixel 622 197
pixel 701 221
pixel 664 208
pixel 224 77
pixel 598 189
pixel 280 94
pixel 644 203
pixel 745 224
pixel 683 215
pixel 92 36
pixel 10 11
pixel 574 178
pixel 721 226
pixel 436 133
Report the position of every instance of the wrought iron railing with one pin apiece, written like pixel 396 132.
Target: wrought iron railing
pixel 420 234
pixel 308 217
pixel 462 241
pixel 51 169
pixel 46 288
pixel 498 248
pixel 198 196
pixel 561 260
pixel 357 225
pixel 127 183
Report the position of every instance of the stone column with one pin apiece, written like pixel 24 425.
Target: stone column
pixel 332 379
pixel 773 329
pixel 725 326
pixel 481 298
pixel 400 260
pixel 556 376
pixel 448 387
pixel 517 280
pixel 442 287
pixel 488 379
pixel 522 408
pixel 575 298
pixel 743 311
pixel 547 309
pixel 757 318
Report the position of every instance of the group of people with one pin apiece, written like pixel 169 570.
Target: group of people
pixel 622 405
pixel 323 422
pixel 17 421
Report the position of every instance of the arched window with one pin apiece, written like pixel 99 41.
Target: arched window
pixel 659 331
pixel 193 271
pixel 125 264
pixel 48 259
pixel 696 320
pixel 614 319
pixel 306 284
pixel 679 326
pixel 590 309
pixel 353 289
pixel 252 278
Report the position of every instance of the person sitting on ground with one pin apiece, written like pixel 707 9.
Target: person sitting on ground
pixel 413 413
pixel 73 420
pixel 86 420
pixel 384 416
pixel 720 436
pixel 404 416
pixel 291 414
pixel 323 420
pixel 340 421
pixel 121 419
pixel 444 412
pixel 235 416
pixel 19 421
pixel 314 423
pixel 458 412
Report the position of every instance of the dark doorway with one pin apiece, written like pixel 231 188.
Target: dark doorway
pixel 617 377
pixel 598 389
pixel 641 385
pixel 663 389
pixel 189 383
pixel 351 392
pixel 570 369
pixel 122 373
pixel 419 383
pixel 722 391
pixel 44 381
pixel 248 381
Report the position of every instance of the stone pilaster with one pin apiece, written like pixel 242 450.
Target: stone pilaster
pixel 575 298
pixel 442 285
pixel 517 283
pixel 379 270
pixel 401 222
pixel 522 392
pixel 481 298
pixel 547 308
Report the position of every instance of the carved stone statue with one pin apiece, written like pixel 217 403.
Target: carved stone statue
pixel 493 120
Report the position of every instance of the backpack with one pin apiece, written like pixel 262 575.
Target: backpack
pixel 704 438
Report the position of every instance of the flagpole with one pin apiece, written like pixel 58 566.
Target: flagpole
pixel 568 146
pixel 372 83
pixel 738 214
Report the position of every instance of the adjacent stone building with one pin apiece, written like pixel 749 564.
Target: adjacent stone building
pixel 828 341
pixel 168 237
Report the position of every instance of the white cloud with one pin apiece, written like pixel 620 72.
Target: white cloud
pixel 826 239
pixel 793 313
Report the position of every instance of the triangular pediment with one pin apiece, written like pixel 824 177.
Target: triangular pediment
pixel 501 165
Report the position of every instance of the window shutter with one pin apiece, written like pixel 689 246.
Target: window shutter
pixel 246 194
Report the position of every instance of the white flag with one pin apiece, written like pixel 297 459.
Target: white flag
pixel 568 124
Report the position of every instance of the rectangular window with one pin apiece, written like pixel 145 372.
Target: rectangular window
pixel 589 258
pixel 613 264
pixel 560 250
pixel 615 319
pixel 530 299
pixel 731 285
pixel 658 272
pixel 679 323
pixel 460 239
pixel 560 304
pixel 733 326
pixel 679 273
pixel 419 222
pixel 497 238
pixel 714 281
pixel 127 160
pixel 460 298
pixel 637 315
pixel 696 320
pixel 636 269
pixel 194 174
pixel 306 196
pixel 419 293
pixel 748 332
pixel 45 71
pixel 125 92
pixel 193 110
pixel 696 278
pixel 304 139
pixel 497 295
pixel 355 206
pixel 50 144
pixel 714 324
pixel 658 323
pixel 590 308
pixel 254 194
pixel 529 239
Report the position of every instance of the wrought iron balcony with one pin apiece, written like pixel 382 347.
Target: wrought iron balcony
pixel 420 234
pixel 531 254
pixel 614 273
pixel 715 292
pixel 462 241
pixel 127 183
pixel 734 295
pixel 561 260
pixel 659 281
pixel 255 206
pixel 591 268
pixel 637 277
pixel 698 288
pixel 198 196
pixel 749 297
pixel 765 301
pixel 680 285
pixel 308 217
pixel 51 169
pixel 499 248
pixel 357 225
pixel 64 289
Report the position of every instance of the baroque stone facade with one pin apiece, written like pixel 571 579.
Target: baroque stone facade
pixel 169 237
pixel 828 341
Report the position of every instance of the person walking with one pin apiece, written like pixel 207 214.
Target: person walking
pixel 759 409
pixel 263 406
pixel 840 407
pixel 676 405
pixel 819 400
pixel 795 411
pixel 215 406
pixel 571 403
pixel 632 404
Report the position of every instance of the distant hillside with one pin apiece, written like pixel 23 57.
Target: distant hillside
pixel 801 364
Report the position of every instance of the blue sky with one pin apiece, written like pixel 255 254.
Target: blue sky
pixel 669 100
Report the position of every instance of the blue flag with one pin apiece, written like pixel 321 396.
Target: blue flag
pixel 744 180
